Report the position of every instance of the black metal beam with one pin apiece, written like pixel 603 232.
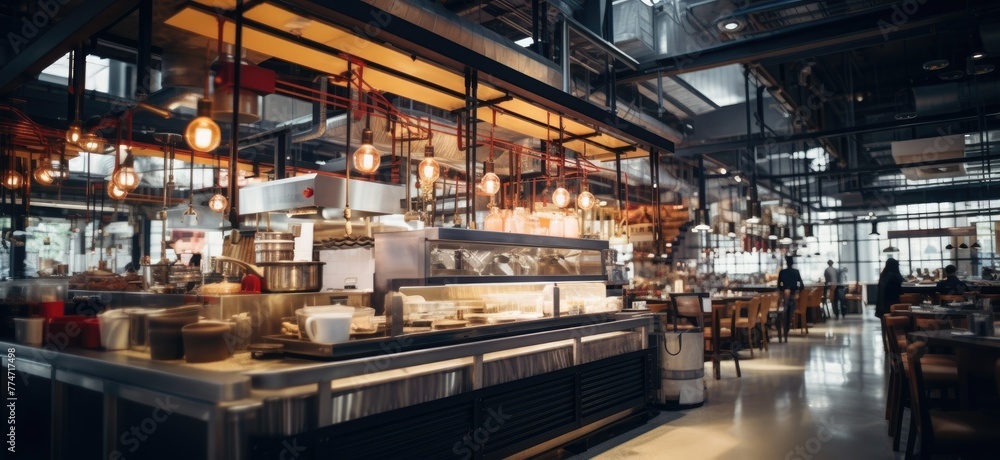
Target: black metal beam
pixel 845 32
pixel 405 35
pixel 35 52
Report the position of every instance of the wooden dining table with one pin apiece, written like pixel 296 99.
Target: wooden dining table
pixel 976 356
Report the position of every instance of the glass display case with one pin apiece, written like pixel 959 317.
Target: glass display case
pixel 439 256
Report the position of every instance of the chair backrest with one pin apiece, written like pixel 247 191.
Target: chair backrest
pixel 899 307
pixel 753 312
pixel 688 305
pixel 894 327
pixel 918 395
pixel 911 298
pixel 951 298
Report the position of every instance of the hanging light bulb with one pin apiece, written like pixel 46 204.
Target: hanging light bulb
pixel 115 192
pixel 490 183
pixel 560 197
pixel 13 180
pixel 203 133
pixel 218 203
pixel 91 143
pixel 43 173
pixel 429 169
pixel 58 170
pixel 367 158
pixel 772 232
pixel 74 132
pixel 701 221
pixel 753 212
pixel 586 200
pixel 125 176
pixel 785 234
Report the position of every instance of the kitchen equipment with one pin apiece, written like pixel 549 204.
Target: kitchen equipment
pixel 165 338
pixel 28 330
pixel 138 327
pixel 114 329
pixel 329 327
pixel 286 276
pixel 64 331
pixel 266 350
pixel 165 277
pixel 90 333
pixel 206 341
pixel 302 313
pixel 274 250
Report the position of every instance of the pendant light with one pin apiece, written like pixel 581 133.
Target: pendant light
pixel 11 178
pixel 585 200
pixel 976 245
pixel 963 245
pixel 890 249
pixel 949 247
pixel 875 229
pixel 43 172
pixel 429 169
pixel 218 203
pixel 490 183
pixel 58 169
pixel 731 229
pixel 367 158
pixel 115 192
pixel 701 220
pixel 560 197
pixel 126 177
pixel 91 143
pixel 202 133
pixel 772 233
pixel 74 132
pixel 785 236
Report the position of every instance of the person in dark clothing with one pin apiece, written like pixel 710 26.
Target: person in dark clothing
pixel 890 284
pixel 789 285
pixel 951 284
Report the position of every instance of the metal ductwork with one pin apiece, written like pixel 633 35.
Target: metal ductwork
pixel 319 121
pixel 322 196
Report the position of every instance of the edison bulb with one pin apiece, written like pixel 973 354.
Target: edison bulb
pixel 561 197
pixel 74 132
pixel 366 159
pixel 429 170
pixel 92 143
pixel 43 174
pixel 203 134
pixel 125 178
pixel 218 203
pixel 13 180
pixel 116 193
pixel 585 200
pixel 490 183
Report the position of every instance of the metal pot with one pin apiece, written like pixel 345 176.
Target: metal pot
pixel 274 250
pixel 285 276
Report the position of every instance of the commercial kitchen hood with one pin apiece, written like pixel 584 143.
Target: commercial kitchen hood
pixel 321 196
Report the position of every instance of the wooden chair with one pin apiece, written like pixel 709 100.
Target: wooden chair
pixel 941 370
pixel 945 298
pixel 801 308
pixel 748 323
pixel 972 432
pixel 813 304
pixel 854 297
pixel 911 298
pixel 688 306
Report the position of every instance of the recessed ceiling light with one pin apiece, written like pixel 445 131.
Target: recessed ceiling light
pixel 984 69
pixel 978 55
pixel 936 64
pixel 730 25
pixel 722 171
pixel 951 75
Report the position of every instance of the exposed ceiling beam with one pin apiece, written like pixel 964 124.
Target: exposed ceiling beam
pixel 59 37
pixel 840 33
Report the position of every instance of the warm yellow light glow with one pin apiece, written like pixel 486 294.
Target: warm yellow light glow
pixel 560 197
pixel 218 203
pixel 92 143
pixel 585 200
pixel 490 183
pixel 203 134
pixel 367 159
pixel 429 170
pixel 43 173
pixel 116 193
pixel 125 178
pixel 13 180
pixel 74 132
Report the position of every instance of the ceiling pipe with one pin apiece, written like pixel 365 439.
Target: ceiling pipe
pixel 319 120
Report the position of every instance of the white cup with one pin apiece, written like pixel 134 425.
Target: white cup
pixel 28 330
pixel 302 313
pixel 329 327
pixel 114 329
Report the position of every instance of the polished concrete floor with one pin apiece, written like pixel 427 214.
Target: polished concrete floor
pixel 819 396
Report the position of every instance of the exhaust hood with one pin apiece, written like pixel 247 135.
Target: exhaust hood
pixel 321 196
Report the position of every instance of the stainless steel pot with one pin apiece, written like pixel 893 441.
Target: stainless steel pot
pixel 274 250
pixel 286 276
pixel 170 277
